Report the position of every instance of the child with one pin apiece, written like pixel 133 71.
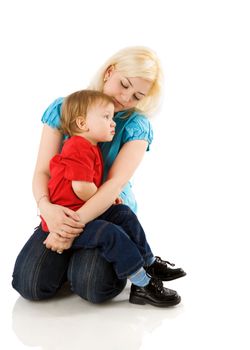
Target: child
pixel 76 173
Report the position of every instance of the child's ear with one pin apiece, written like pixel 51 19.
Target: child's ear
pixel 81 123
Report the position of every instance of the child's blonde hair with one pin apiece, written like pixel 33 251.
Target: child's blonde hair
pixel 76 105
pixel 140 62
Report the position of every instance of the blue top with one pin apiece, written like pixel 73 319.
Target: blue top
pixel 134 127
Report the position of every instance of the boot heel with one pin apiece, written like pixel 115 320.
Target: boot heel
pixel 136 300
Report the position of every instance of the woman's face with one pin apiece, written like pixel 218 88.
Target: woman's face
pixel 125 91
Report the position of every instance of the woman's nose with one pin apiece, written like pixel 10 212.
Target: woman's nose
pixel 125 97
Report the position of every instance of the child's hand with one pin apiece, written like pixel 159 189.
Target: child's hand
pixel 57 243
pixel 118 200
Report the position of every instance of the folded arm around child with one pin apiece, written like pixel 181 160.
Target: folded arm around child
pixel 119 174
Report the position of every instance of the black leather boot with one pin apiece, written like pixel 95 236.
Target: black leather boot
pixel 155 294
pixel 160 269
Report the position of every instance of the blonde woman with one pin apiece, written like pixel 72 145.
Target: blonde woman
pixel 132 78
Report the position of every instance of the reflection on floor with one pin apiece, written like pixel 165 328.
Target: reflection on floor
pixel 68 322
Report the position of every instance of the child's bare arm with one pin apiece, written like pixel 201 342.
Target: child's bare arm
pixel 84 190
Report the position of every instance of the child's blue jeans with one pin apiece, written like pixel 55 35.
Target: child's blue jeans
pixel 120 239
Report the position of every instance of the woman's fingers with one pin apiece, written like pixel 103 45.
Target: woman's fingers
pixel 70 222
pixel 68 232
pixel 63 239
pixel 73 217
pixel 64 222
pixel 56 243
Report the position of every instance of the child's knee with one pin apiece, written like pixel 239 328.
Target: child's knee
pixel 123 208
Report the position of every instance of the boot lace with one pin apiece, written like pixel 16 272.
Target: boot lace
pixel 157 283
pixel 163 261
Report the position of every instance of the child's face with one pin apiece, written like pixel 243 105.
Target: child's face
pixel 126 92
pixel 100 123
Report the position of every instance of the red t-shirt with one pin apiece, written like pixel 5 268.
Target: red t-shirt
pixel 79 160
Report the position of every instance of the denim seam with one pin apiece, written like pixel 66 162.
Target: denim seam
pixel 69 272
pixel 90 273
pixel 66 268
pixel 36 274
pixel 99 231
pixel 149 255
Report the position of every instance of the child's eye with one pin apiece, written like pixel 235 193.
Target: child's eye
pixel 106 116
pixel 136 98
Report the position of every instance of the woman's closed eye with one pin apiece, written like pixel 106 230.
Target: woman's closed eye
pixel 137 98
pixel 125 85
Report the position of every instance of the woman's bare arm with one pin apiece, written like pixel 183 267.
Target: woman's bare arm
pixel 50 144
pixel 58 218
pixel 122 170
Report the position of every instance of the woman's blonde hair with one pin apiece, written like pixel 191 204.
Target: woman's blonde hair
pixel 135 61
pixel 76 105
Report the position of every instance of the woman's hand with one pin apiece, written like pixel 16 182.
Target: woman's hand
pixel 63 221
pixel 56 243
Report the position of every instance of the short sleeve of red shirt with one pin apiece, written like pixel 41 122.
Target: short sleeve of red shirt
pixel 79 162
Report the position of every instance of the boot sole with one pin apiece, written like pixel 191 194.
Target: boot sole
pixel 142 301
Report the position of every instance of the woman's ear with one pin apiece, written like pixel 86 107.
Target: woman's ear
pixel 81 123
pixel 108 72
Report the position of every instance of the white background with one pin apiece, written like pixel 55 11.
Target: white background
pixel 192 187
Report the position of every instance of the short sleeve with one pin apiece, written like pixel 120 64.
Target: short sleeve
pixel 52 115
pixel 138 128
pixel 80 166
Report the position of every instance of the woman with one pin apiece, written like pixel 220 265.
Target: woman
pixel 132 77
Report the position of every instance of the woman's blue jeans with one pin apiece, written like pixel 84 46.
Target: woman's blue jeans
pixel 114 247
